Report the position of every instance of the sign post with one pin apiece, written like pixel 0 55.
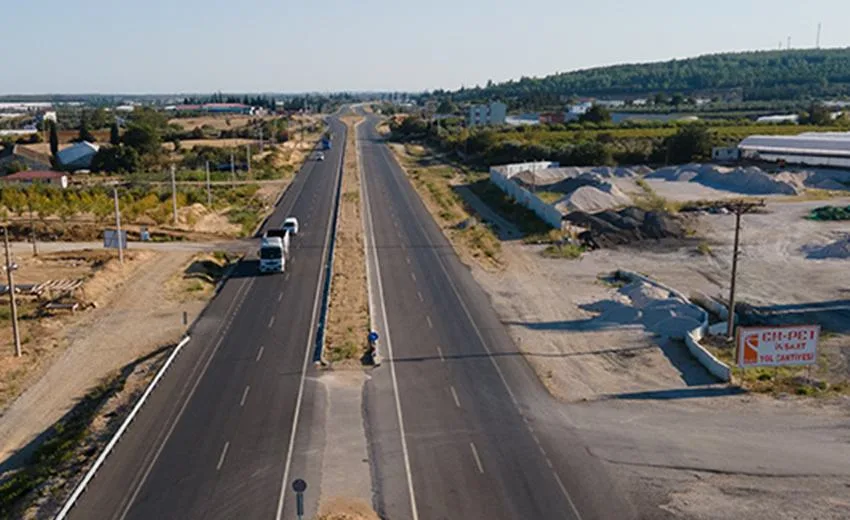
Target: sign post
pixel 299 486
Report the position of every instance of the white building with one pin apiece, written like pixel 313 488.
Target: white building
pixel 810 149
pixel 492 114
pixel 611 103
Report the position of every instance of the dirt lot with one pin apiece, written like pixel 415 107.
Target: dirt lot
pixel 348 312
pixel 219 122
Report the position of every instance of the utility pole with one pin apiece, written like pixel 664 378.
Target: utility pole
pixel 173 194
pixel 739 208
pixel 209 190
pixel 32 234
pixel 118 225
pixel 232 171
pixel 248 156
pixel 10 267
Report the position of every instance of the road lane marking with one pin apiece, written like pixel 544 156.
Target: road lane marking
pixel 454 395
pixel 420 296
pixel 244 395
pixel 407 259
pixel 440 262
pixel 279 296
pixel 413 276
pixel 440 352
pixel 271 322
pixel 223 454
pixel 477 460
pixel 286 277
pixel 284 483
pixel 234 310
pixel 414 514
pixel 428 319
pixel 260 353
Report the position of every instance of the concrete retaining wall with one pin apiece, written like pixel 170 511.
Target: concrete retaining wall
pixel 501 177
pixel 692 339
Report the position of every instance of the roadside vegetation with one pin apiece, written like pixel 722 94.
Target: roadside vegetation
pixel 348 311
pixel 435 180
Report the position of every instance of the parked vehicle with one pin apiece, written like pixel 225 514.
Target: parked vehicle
pixel 291 224
pixel 272 255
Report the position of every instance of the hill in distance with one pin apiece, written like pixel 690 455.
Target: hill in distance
pixel 753 76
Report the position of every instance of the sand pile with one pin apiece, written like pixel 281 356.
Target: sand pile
pixel 747 181
pixel 611 228
pixel 839 249
pixel 590 198
pixel 661 312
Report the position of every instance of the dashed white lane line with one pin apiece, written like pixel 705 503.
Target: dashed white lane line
pixel 244 396
pixel 419 294
pixel 223 454
pixel 428 319
pixel 271 322
pixel 260 353
pixel 286 276
pixel 280 297
pixel 413 277
pixel 454 395
pixel 440 352
pixel 407 259
pixel 477 459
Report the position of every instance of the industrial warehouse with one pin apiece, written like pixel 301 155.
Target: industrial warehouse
pixel 809 149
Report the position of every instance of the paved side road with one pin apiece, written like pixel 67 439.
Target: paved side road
pixel 214 440
pixel 459 424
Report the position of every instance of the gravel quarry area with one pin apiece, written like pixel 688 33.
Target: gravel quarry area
pixel 683 444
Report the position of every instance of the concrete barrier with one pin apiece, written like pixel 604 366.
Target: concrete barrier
pixel 501 177
pixel 692 339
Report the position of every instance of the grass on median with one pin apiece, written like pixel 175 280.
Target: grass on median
pixel 348 310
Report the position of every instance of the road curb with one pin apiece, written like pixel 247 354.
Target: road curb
pixel 81 487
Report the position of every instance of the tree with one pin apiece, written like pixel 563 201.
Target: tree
pixel 677 99
pixel 691 143
pixel 446 107
pixel 113 159
pixel 85 133
pixel 98 118
pixel 54 139
pixel 660 98
pixel 596 114
pixel 142 137
pixel 819 115
pixel 114 134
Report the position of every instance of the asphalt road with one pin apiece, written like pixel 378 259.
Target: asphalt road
pixel 459 426
pixel 216 437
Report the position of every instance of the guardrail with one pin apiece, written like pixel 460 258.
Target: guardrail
pixel 326 289
pixel 692 338
pixel 75 495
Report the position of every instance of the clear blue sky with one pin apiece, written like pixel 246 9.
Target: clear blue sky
pixel 163 46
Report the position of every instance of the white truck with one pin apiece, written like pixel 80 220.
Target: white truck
pixel 272 255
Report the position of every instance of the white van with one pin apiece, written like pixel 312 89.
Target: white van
pixel 272 255
pixel 291 224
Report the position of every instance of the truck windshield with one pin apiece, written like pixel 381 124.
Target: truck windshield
pixel 276 233
pixel 270 253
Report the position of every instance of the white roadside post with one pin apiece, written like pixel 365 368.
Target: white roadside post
pixel 174 193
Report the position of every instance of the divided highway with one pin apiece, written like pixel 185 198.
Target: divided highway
pixel 215 438
pixel 459 425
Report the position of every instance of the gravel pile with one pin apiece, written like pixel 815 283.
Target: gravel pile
pixel 839 249
pixel 747 181
pixel 611 228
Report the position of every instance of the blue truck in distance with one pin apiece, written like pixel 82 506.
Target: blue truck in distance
pixel 326 142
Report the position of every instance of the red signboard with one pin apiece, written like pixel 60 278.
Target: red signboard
pixel 777 346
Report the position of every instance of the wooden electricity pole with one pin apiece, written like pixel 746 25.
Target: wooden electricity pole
pixel 739 208
pixel 10 267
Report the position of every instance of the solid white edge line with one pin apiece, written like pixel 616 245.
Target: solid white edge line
pixel 477 458
pixel 112 442
pixel 244 396
pixel 223 454
pixel 481 338
pixel 235 310
pixel 310 338
pixel 413 510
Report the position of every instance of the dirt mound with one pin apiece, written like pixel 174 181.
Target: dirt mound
pixel 592 198
pixel 839 249
pixel 611 228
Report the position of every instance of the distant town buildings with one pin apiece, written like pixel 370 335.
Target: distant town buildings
pixel 216 108
pixel 490 114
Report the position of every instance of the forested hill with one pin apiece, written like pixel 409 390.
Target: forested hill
pixel 763 75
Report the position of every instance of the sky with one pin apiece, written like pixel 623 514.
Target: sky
pixel 181 46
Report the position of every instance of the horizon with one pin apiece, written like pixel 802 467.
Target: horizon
pixel 260 46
